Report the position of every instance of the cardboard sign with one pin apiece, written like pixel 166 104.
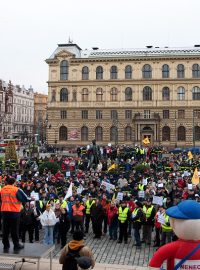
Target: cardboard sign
pixel 157 200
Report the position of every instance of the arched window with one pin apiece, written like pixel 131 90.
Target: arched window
pixel 181 93
pixel 180 71
pixel 181 133
pixel 84 133
pixel 113 72
pixel 195 71
pixel 99 73
pixel 99 94
pixel 128 72
pixel 64 70
pixel 128 134
pixel 146 72
pixel 147 93
pixel 85 94
pixel 165 134
pixel 165 71
pixel 113 134
pixel 196 93
pixel 113 94
pixel 165 93
pixel 63 95
pixel 85 73
pixel 197 133
pixel 99 134
pixel 128 94
pixel 63 133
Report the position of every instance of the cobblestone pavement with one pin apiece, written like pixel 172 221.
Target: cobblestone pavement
pixel 109 252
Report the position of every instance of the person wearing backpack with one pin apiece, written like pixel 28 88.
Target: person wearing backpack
pixel 73 250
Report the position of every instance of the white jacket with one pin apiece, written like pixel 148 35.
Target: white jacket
pixel 48 218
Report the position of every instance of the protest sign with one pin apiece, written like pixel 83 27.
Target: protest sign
pixel 119 196
pixel 108 186
pixel 68 174
pixel 157 200
pixel 161 219
pixel 141 194
pixel 144 181
pixel 35 195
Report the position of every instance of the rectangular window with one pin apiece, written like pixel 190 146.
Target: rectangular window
pixel 63 114
pixel 147 114
pixel 85 114
pixel 1 97
pixel 181 114
pixel 128 114
pixel 165 114
pixel 114 114
pixel 196 113
pixel 99 114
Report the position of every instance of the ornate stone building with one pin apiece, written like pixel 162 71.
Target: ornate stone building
pixel 123 96
pixel 6 109
pixel 40 116
pixel 23 113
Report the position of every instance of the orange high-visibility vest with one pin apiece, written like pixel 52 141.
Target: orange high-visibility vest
pixel 9 201
pixel 78 211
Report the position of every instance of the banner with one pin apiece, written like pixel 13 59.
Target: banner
pixel 73 135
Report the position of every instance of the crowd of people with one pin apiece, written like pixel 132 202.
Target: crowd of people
pixel 124 195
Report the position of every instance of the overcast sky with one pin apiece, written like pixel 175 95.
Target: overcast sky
pixel 31 29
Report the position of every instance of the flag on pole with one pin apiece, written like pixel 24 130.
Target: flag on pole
pixel 190 156
pixel 69 192
pixel 112 167
pixel 195 177
pixel 146 141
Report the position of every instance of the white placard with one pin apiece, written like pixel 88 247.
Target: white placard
pixel 68 174
pixel 108 186
pixel 160 185
pixel 141 194
pixel 161 219
pixel 144 181
pixel 79 190
pixel 190 186
pixel 19 177
pixel 157 200
pixel 119 196
pixel 35 195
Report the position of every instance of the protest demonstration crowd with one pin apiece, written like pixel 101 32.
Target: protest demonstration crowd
pixel 124 194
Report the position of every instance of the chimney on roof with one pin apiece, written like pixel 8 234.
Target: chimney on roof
pixel 197 45
pixel 95 48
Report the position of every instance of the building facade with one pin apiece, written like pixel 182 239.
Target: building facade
pixel 23 113
pixel 124 96
pixel 40 116
pixel 6 109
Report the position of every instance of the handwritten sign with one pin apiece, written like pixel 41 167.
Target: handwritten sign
pixel 108 186
pixel 119 196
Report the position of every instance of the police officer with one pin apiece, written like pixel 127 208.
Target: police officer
pixel 123 217
pixel 11 205
pixel 150 212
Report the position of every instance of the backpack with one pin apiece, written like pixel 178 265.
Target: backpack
pixel 70 262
